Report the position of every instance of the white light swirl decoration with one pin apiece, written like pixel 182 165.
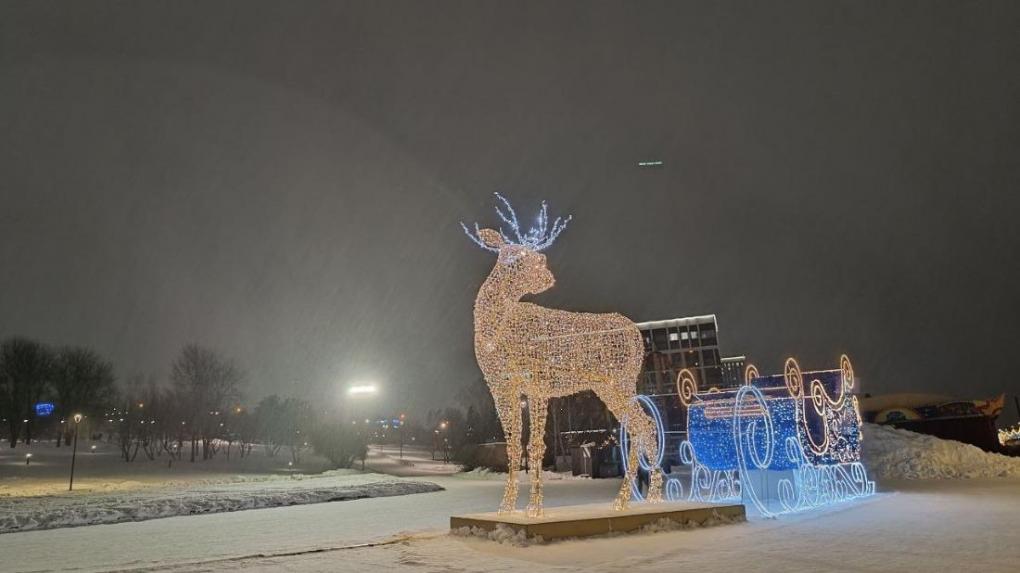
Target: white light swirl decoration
pixel 746 437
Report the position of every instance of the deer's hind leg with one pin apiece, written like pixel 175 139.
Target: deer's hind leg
pixel 642 427
pixel 620 405
pixel 643 436
pixel 539 409
pixel 508 407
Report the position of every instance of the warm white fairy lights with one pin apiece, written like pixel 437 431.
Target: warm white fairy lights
pixel 527 350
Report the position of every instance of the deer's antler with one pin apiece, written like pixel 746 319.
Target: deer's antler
pixel 537 238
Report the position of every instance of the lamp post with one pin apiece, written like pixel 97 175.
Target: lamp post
pixel 359 392
pixel 74 450
pixel 401 436
pixel 446 442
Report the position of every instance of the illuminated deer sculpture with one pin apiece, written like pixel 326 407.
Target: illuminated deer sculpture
pixel 540 353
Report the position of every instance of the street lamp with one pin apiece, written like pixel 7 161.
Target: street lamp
pixel 401 436
pixel 362 389
pixel 446 441
pixel 74 451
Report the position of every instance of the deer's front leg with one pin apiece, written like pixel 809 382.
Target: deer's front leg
pixel 509 409
pixel 539 409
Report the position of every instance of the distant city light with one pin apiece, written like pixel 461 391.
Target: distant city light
pixel 649 164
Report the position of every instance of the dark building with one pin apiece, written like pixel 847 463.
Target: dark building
pixel 670 346
pixel 733 370
pixel 678 343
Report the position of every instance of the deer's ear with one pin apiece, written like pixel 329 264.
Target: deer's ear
pixel 491 238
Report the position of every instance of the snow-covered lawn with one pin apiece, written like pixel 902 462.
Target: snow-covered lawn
pixel 109 490
pixel 75 509
pixel 911 525
pixel 952 525
pixel 102 470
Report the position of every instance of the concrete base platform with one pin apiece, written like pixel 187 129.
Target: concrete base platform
pixel 598 519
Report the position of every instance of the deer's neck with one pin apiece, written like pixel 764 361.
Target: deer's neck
pixel 495 301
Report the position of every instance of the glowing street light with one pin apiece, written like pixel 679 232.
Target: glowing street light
pixel 362 390
pixel 28 459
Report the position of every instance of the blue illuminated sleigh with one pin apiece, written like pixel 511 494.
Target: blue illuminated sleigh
pixel 777 442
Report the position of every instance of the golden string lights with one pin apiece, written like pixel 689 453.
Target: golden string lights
pixel 527 350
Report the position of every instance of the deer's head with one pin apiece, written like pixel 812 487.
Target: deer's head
pixel 520 265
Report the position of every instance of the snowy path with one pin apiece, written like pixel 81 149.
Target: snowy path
pixel 266 531
pixel 412 461
pixel 939 526
pixel 962 525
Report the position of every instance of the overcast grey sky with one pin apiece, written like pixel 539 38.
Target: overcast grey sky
pixel 282 181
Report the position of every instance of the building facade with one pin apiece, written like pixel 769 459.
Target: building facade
pixel 670 346
pixel 733 370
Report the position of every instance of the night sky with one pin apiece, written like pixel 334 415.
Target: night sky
pixel 283 181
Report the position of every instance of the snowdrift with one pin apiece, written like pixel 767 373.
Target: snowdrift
pixel 892 453
pixel 71 510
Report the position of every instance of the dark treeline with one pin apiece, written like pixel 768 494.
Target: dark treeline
pixel 196 415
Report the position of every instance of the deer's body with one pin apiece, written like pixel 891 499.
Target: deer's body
pixel 526 350
pixel 596 347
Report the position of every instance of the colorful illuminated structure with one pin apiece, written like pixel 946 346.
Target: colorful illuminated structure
pixel 527 350
pixel 777 442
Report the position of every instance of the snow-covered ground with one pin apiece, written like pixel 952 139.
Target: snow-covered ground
pixel 109 490
pixel 912 525
pixel 102 469
pixel 961 525
pixel 408 461
pixel 75 509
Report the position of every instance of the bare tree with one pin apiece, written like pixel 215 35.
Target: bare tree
pixel 82 382
pixel 129 417
pixel 246 431
pixel 25 370
pixel 208 384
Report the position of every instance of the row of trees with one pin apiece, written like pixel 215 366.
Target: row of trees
pixel 198 414
pixel 74 379
pixel 156 422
